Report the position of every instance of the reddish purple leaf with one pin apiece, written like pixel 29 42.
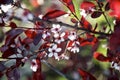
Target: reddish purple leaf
pixel 2 35
pixel 101 57
pixel 107 6
pixel 37 38
pixel 12 25
pixel 53 14
pixel 96 14
pixel 85 24
pixel 8 52
pixel 87 5
pixel 13 74
pixel 30 33
pixel 2 23
pixel 69 4
pixel 85 75
pixel 2 66
pixel 74 20
pixel 44 45
pixel 6 1
pixel 89 41
pixel 11 35
pixel 26 41
pixel 113 77
pixel 1 74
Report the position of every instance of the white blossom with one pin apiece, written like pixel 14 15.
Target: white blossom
pixel 60 38
pixel 34 65
pixel 53 51
pixel 115 65
pixel 74 49
pixel 45 34
pixel 55 28
pixel 63 56
pixel 24 59
pixel 72 36
pixel 83 13
pixel 5 8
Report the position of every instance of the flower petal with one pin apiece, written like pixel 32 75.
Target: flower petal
pixel 34 68
pixel 58 49
pixel 54 46
pixel 56 56
pixel 63 34
pixel 50 49
pixel 50 54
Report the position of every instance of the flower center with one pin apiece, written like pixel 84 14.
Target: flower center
pixel 53 50
pixel 56 29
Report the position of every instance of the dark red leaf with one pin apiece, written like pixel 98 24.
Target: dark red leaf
pixel 11 35
pixel 101 57
pixel 110 54
pixel 2 66
pixel 69 4
pixel 8 52
pixel 74 20
pixel 2 23
pixel 114 41
pixel 13 74
pixel 107 6
pixel 87 5
pixel 12 25
pixel 6 1
pixel 44 46
pixel 27 41
pixel 115 7
pixel 62 46
pixel 85 24
pixel 30 33
pixel 91 40
pixel 2 35
pixel 37 38
pixel 113 77
pixel 85 75
pixel 53 14
pixel 96 14
pixel 1 74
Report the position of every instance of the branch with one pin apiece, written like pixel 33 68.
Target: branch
pixel 56 70
pixel 104 16
pixel 70 26
pixel 63 24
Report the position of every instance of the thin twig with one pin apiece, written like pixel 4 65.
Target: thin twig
pixel 56 70
pixel 104 16
pixel 70 26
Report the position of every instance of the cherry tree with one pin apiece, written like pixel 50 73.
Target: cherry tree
pixel 81 34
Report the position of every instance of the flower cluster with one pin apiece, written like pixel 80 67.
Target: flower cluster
pixel 57 36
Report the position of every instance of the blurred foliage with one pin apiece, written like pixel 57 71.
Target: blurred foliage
pixel 85 52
